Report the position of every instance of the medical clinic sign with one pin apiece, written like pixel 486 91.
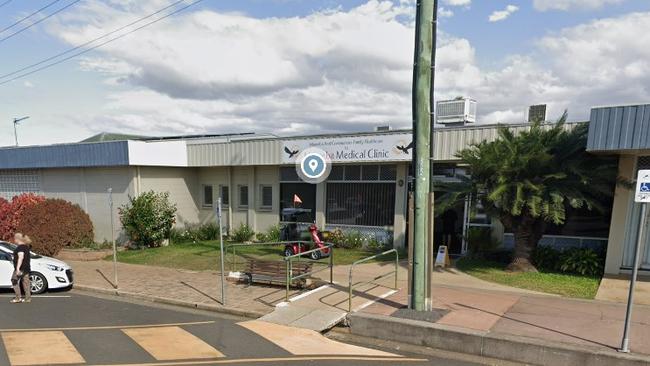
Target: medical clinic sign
pixel 376 148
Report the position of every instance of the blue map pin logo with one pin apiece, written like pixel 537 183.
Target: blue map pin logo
pixel 313 165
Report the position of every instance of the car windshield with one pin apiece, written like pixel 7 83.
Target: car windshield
pixel 13 247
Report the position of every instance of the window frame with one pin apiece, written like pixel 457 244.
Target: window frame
pixel 203 196
pixel 227 203
pixel 240 205
pixel 262 206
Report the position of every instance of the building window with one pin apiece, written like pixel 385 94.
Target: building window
pixel 363 173
pixel 224 193
pixel 266 193
pixel 243 196
pixel 364 204
pixel 207 196
pixel 305 192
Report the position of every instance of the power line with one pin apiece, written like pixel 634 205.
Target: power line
pixel 101 44
pixel 5 3
pixel 88 42
pixel 38 21
pixel 29 16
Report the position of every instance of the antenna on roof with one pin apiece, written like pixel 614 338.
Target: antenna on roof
pixel 16 121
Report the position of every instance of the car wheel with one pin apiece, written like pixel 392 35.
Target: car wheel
pixel 288 251
pixel 315 255
pixel 38 283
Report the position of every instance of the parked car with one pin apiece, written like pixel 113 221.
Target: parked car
pixel 47 273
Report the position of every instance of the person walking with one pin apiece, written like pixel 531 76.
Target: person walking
pixel 21 268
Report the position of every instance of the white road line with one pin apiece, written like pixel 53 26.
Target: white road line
pixel 42 296
pixel 375 300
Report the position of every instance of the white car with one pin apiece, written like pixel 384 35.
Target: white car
pixel 47 273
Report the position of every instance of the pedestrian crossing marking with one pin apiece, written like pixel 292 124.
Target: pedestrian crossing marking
pixel 302 342
pixel 171 343
pixel 40 348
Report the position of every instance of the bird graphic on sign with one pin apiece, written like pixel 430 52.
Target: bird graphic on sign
pixel 406 149
pixel 290 152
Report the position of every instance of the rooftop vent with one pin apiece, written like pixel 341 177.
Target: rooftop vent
pixel 457 111
pixel 537 113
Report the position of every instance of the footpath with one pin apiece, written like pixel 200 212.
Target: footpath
pixel 470 315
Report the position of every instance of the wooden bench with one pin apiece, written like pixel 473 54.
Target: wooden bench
pixel 275 272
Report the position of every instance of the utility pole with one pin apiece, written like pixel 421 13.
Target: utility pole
pixel 16 120
pixel 422 123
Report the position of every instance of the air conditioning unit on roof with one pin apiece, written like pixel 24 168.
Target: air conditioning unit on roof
pixel 456 111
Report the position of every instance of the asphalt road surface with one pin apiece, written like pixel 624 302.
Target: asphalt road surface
pixel 77 328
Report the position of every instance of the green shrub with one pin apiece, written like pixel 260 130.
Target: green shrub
pixel 272 235
pixel 54 224
pixel 242 234
pixel 209 231
pixel 352 240
pixel 376 245
pixel 546 258
pixel 582 261
pixel 194 233
pixel 148 218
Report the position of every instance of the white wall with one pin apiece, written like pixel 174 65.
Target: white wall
pixel 182 185
pixel 158 153
pixel 88 187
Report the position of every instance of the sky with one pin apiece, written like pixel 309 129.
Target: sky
pixel 293 67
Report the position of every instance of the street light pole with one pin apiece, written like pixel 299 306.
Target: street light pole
pixel 16 120
pixel 422 123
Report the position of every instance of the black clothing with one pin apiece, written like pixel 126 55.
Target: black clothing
pixel 25 266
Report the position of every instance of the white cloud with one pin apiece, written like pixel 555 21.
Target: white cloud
pixel 500 15
pixel 28 84
pixel 338 70
pixel 458 2
pixel 445 13
pixel 544 5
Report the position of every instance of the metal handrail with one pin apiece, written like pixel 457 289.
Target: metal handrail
pixel 384 275
pixel 289 271
pixel 232 258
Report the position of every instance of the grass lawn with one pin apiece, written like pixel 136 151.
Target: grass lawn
pixel 554 283
pixel 205 255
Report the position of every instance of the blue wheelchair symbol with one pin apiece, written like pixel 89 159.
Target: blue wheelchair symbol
pixel 645 187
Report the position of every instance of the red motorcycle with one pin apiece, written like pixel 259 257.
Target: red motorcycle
pixel 302 241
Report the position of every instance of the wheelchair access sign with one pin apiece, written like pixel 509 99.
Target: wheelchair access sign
pixel 642 186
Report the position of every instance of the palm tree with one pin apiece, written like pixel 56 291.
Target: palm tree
pixel 531 179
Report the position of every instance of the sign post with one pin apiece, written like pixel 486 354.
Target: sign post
pixel 110 206
pixel 223 277
pixel 642 196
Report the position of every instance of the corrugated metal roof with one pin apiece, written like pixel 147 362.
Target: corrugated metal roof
pixel 619 128
pixel 113 153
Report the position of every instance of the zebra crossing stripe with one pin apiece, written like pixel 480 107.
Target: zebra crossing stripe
pixel 40 348
pixel 172 343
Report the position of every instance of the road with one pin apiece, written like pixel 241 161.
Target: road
pixel 78 328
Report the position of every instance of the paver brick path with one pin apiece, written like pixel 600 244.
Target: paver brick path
pixel 201 287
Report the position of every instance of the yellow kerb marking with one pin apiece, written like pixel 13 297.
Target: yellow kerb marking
pixel 171 343
pixel 40 348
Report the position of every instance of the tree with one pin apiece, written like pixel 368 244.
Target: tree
pixel 531 179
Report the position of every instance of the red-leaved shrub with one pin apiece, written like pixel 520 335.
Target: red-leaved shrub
pixel 54 224
pixel 11 212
